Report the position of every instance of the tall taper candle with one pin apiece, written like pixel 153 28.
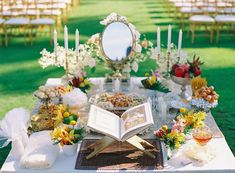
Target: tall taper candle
pixel 158 40
pixel 169 39
pixel 76 42
pixel 66 39
pixel 180 42
pixel 55 45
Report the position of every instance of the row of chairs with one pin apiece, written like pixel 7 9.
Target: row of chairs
pixel 213 15
pixel 27 16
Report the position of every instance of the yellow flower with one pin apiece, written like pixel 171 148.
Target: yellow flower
pixel 174 133
pixel 58 119
pixel 147 74
pixel 86 82
pixel 177 144
pixel 201 115
pixel 181 137
pixel 189 119
pixel 66 114
pixel 152 80
pixel 183 110
pixel 165 127
pixel 73 123
pixel 68 88
pixel 82 84
pixel 55 134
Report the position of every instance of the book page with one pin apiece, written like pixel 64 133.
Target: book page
pixel 136 119
pixel 104 122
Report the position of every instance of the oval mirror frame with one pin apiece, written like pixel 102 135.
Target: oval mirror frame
pixel 110 59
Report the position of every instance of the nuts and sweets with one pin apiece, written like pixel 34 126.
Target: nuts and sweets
pixel 118 100
pixel 208 94
pixel 47 109
pixel 41 122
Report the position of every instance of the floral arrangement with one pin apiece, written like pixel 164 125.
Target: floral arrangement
pixel 184 122
pixel 142 50
pixel 153 82
pixel 66 136
pixel 75 65
pixel 188 69
pixel 63 115
pixel 83 83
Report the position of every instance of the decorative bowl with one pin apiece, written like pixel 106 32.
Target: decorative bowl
pixel 183 82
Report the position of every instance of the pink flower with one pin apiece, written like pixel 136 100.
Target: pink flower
pixel 179 125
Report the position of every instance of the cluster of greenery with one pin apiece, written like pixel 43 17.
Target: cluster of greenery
pixel 20 73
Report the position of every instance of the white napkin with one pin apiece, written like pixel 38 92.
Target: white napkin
pixel 75 98
pixel 13 128
pixel 40 153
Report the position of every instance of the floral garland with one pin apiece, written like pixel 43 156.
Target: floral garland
pixel 141 51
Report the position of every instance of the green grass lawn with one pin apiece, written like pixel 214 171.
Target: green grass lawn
pixel 20 73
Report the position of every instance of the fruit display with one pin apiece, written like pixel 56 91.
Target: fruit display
pixel 207 93
pixel 187 70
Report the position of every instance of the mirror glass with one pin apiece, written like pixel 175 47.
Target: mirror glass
pixel 117 41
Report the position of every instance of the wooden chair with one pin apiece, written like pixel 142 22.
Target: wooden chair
pixel 203 20
pixel 20 21
pixel 187 11
pixel 1 24
pixel 41 22
pixel 222 20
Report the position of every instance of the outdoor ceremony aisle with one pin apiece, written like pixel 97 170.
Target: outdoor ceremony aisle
pixel 20 74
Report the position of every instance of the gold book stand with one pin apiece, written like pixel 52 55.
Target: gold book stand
pixel 106 141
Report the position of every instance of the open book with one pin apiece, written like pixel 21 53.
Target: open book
pixel 131 122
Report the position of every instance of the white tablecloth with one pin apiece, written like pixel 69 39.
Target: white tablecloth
pixel 223 162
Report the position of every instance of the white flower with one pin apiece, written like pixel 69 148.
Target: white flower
pixel 138 48
pixel 123 18
pixel 137 35
pixel 127 68
pixel 92 62
pixel 104 22
pixel 42 88
pixel 40 95
pixel 132 27
pixel 135 66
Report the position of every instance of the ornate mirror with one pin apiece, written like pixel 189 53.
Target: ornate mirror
pixel 117 42
pixel 120 46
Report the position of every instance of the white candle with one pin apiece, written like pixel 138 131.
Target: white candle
pixel 55 44
pixel 180 42
pixel 169 39
pixel 158 40
pixel 66 39
pixel 76 42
